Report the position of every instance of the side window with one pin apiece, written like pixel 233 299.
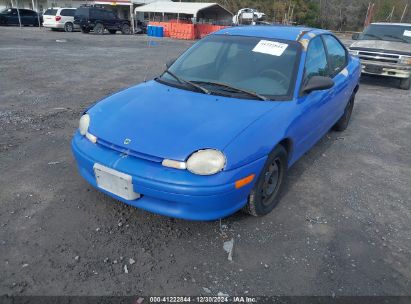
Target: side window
pixel 316 60
pixel 336 54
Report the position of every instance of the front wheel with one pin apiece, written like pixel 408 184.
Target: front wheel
pixel 85 31
pixel 266 192
pixel 125 29
pixel 342 123
pixel 69 27
pixel 405 84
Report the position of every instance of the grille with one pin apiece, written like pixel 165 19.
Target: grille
pixel 129 152
pixel 379 57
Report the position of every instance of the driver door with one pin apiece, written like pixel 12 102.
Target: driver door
pixel 311 124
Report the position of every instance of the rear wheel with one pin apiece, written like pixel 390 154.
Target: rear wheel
pixel 112 31
pixel 405 84
pixel 266 192
pixel 98 29
pixel 342 124
pixel 125 29
pixel 68 27
pixel 85 31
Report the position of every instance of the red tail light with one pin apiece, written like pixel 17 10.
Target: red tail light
pixel 58 18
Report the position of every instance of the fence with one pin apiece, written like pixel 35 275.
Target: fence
pixel 186 31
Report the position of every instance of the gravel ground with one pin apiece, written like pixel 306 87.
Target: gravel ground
pixel 342 227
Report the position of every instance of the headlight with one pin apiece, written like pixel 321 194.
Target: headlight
pixel 405 60
pixel 84 124
pixel 206 162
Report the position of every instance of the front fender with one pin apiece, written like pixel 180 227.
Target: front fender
pixel 260 137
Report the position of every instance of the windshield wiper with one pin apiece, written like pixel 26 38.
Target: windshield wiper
pixel 183 81
pixel 234 89
pixel 372 35
pixel 396 37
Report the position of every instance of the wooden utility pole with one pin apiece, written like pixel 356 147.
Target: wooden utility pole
pixel 403 13
pixel 370 13
pixel 389 18
pixel 37 9
pixel 131 17
pixel 18 11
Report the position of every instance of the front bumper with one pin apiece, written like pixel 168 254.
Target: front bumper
pixel 167 191
pixel 376 68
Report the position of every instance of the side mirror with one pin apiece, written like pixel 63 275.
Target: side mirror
pixel 318 83
pixel 355 36
pixel 170 62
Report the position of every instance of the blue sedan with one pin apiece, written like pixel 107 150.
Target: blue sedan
pixel 217 131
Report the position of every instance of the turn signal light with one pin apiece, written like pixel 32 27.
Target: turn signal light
pixel 245 181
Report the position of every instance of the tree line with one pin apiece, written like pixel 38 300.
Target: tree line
pixel 343 15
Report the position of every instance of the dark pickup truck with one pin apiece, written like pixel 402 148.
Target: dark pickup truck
pixel 97 19
pixel 385 49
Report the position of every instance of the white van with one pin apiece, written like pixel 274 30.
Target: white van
pixel 60 18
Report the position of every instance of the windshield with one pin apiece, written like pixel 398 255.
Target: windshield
pixel 238 66
pixel 399 33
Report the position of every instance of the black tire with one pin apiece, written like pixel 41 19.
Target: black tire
pixel 69 27
pixel 405 84
pixel 98 29
pixel 343 122
pixel 266 192
pixel 112 31
pixel 85 31
pixel 125 29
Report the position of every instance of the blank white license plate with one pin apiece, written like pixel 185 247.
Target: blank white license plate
pixel 115 182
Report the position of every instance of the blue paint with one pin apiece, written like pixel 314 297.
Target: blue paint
pixel 162 121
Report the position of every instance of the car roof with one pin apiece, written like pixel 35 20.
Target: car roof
pixel 386 23
pixel 271 31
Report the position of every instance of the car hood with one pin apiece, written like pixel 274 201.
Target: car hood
pixel 161 121
pixel 382 45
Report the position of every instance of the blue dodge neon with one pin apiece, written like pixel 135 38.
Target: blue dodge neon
pixel 217 131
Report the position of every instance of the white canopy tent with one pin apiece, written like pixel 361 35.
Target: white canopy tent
pixel 196 10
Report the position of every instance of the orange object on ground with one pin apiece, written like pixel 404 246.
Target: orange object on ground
pixel 181 29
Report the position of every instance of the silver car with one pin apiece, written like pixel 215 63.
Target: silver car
pixel 385 49
pixel 60 18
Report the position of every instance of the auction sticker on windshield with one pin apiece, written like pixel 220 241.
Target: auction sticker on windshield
pixel 407 33
pixel 270 47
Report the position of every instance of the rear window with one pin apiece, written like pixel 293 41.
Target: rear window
pixel 50 12
pixel 68 12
